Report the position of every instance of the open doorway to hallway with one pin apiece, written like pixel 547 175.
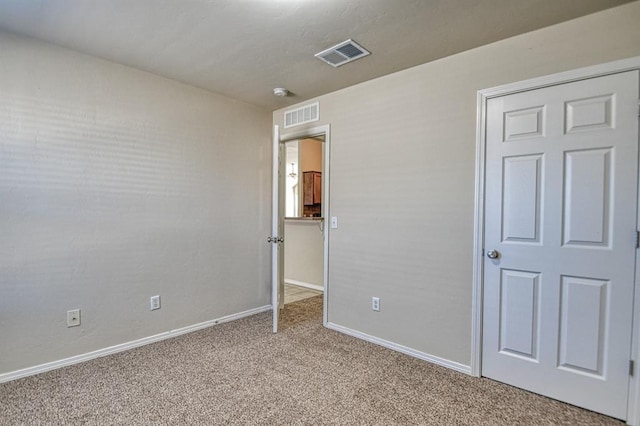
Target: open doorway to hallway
pixel 306 213
pixel 303 221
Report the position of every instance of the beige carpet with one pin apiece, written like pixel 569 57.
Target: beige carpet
pixel 240 373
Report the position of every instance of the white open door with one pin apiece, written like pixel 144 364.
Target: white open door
pixel 277 231
pixel 560 228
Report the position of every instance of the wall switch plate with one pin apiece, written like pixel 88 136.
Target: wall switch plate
pixel 73 318
pixel 154 303
pixel 334 222
pixel 375 304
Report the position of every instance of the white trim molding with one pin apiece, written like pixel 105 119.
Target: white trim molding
pixel 631 64
pixel 304 284
pixel 402 349
pixel 30 371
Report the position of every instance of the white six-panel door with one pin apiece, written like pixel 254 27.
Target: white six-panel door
pixel 277 229
pixel 560 215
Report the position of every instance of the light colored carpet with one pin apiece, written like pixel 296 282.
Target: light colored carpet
pixel 241 373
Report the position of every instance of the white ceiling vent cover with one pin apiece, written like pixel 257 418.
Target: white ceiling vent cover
pixel 304 114
pixel 342 53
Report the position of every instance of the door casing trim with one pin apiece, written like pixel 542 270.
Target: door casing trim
pixel 630 64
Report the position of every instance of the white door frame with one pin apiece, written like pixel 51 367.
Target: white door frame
pixel 301 134
pixel 633 411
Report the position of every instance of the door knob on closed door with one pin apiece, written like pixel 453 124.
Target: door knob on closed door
pixel 493 254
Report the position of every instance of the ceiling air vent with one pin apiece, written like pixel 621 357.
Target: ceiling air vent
pixel 342 53
pixel 304 114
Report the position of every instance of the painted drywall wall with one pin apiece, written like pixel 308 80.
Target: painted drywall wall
pixel 303 252
pixel 402 179
pixel 311 155
pixel 116 185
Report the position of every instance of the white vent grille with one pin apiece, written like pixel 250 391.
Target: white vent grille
pixel 342 53
pixel 304 114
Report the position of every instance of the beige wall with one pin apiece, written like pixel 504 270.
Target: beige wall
pixel 303 252
pixel 402 179
pixel 116 185
pixel 310 155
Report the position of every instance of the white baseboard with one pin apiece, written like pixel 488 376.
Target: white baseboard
pixel 403 349
pixel 304 284
pixel 30 371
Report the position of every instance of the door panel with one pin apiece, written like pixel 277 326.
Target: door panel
pixel 589 114
pixel 519 313
pixel 521 200
pixel 524 123
pixel 587 184
pixel 583 325
pixel 560 209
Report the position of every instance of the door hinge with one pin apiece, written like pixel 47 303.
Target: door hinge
pixel 631 367
pixel 637 239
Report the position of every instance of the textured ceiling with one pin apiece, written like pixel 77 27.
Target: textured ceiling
pixel 245 48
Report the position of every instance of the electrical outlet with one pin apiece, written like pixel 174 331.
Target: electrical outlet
pixel 375 304
pixel 73 318
pixel 154 303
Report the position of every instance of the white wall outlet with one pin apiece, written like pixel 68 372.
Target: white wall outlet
pixel 375 304
pixel 73 318
pixel 154 303
pixel 334 222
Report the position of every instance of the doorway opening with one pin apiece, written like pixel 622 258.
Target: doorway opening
pixel 301 208
pixel 303 221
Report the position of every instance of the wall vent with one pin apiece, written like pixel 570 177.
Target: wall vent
pixel 304 114
pixel 342 53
